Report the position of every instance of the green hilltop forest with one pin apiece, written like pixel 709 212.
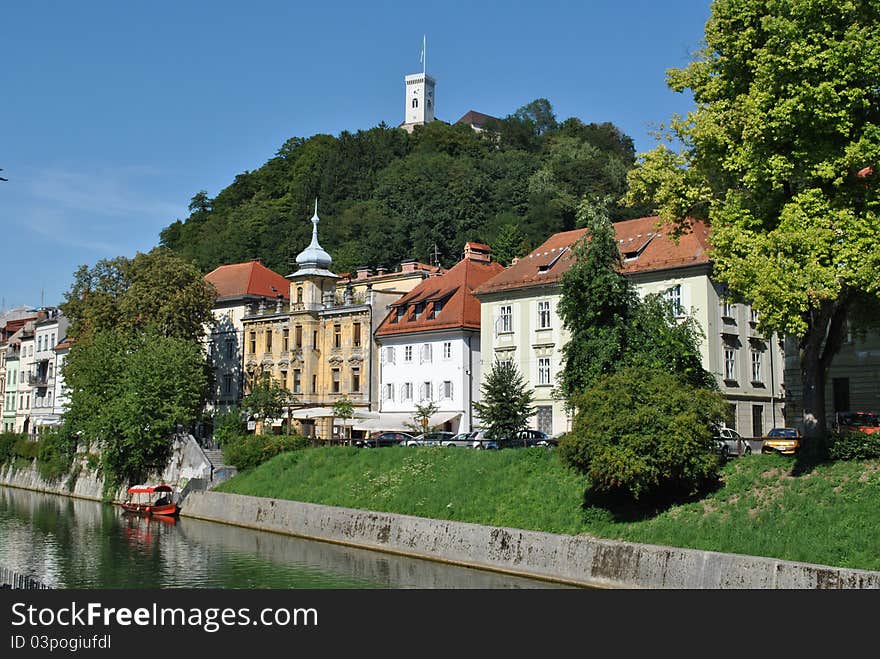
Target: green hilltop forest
pixel 386 195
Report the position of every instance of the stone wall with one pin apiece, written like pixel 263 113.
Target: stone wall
pixel 581 560
pixel 187 462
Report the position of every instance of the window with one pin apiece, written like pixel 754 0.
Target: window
pixel 415 102
pixel 282 378
pixel 335 388
pixel 446 391
pixel 674 296
pixel 337 336
pixel 425 354
pixel 227 383
pixel 299 294
pixel 52 343
pixel 285 339
pixel 543 314
pixel 388 353
pixel 437 308
pixel 420 307
pixel 230 348
pixel 314 383
pixel 756 367
pixel 297 381
pixel 315 339
pixel 447 350
pixel 388 391
pixel 253 342
pixel 727 309
pixel 269 340
pixel 400 312
pixel 544 417
pixel 543 370
pixel 426 391
pixel 729 363
pixel 50 372
pixel 355 379
pixel 753 316
pixel 407 354
pixel 505 324
pixel 39 343
pixel 356 336
pixel 407 391
pixel 298 337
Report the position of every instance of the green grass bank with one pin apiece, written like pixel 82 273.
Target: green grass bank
pixel 828 513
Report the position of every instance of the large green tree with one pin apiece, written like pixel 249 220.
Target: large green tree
pixel 267 398
pixel 129 392
pixel 787 118
pixel 157 289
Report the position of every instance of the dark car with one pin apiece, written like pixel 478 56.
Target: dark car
pixel 866 422
pixel 524 439
pixel 382 439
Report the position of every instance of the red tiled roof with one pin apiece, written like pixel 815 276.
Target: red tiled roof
pixel 454 289
pixel 249 278
pixel 474 118
pixel 643 246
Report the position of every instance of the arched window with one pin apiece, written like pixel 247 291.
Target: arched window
pixel 299 295
pixel 415 103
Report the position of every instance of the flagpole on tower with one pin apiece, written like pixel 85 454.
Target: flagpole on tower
pixel 424 54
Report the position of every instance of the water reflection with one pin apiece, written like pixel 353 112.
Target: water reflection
pixel 71 543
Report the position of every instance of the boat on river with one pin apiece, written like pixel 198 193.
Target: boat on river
pixel 143 500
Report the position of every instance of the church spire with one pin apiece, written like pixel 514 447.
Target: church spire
pixel 314 257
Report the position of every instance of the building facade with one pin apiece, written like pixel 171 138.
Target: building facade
pixel 429 347
pixel 520 321
pixel 319 345
pixel 48 333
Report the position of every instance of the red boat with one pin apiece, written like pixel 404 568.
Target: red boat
pixel 143 501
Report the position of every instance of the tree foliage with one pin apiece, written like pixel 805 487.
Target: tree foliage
pixel 157 289
pixel 267 398
pixel 505 405
pixel 387 195
pixel 641 431
pixel 129 392
pixel 787 118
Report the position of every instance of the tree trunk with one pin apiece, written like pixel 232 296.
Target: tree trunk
pixel 817 350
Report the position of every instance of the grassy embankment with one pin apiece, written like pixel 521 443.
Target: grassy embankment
pixel 829 514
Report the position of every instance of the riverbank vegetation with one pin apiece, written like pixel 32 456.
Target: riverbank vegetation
pixel 766 505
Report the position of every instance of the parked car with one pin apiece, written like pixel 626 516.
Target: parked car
pixel 523 439
pixel 464 439
pixel 730 443
pixel 866 422
pixel 381 439
pixel 429 439
pixel 786 441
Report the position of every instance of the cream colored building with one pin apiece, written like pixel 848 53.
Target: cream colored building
pixel 520 321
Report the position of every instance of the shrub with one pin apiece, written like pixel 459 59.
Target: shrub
pixel 641 432
pixel 26 448
pixel 853 445
pixel 228 425
pixel 248 451
pixel 55 451
pixel 8 441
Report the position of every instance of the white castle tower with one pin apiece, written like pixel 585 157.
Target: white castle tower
pixel 419 99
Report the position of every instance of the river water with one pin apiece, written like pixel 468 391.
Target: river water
pixel 74 543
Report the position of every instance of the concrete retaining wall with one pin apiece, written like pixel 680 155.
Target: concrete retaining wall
pixel 581 560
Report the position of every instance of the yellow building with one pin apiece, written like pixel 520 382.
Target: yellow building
pixel 319 345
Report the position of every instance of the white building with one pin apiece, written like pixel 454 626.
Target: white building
pixel 430 348
pixel 48 333
pixel 520 321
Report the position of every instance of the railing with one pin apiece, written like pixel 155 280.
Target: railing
pixel 10 579
pixel 38 380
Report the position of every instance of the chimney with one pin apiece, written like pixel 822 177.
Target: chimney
pixel 381 270
pixel 477 252
pixel 363 272
pixel 408 265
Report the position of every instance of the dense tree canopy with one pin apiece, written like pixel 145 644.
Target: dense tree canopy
pixel 386 195
pixel 780 156
pixel 129 391
pixel 157 289
pixel 505 406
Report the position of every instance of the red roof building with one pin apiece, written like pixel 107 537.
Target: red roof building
pixel 251 278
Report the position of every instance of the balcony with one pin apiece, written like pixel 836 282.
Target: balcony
pixel 38 380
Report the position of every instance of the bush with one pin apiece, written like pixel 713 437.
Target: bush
pixel 853 445
pixel 641 432
pixel 8 442
pixel 228 426
pixel 248 451
pixel 55 451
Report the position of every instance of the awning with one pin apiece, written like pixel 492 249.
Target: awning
pixel 401 421
pixel 322 412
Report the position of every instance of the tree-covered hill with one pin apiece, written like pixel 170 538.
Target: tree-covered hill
pixel 386 195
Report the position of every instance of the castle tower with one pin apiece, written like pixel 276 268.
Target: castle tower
pixel 419 97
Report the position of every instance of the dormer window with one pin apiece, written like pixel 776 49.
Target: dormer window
pixel 420 307
pixel 438 307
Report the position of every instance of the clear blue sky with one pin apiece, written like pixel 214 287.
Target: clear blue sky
pixel 113 114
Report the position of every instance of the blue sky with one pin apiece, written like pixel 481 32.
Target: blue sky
pixel 113 114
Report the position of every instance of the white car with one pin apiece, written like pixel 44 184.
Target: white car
pixel 730 443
